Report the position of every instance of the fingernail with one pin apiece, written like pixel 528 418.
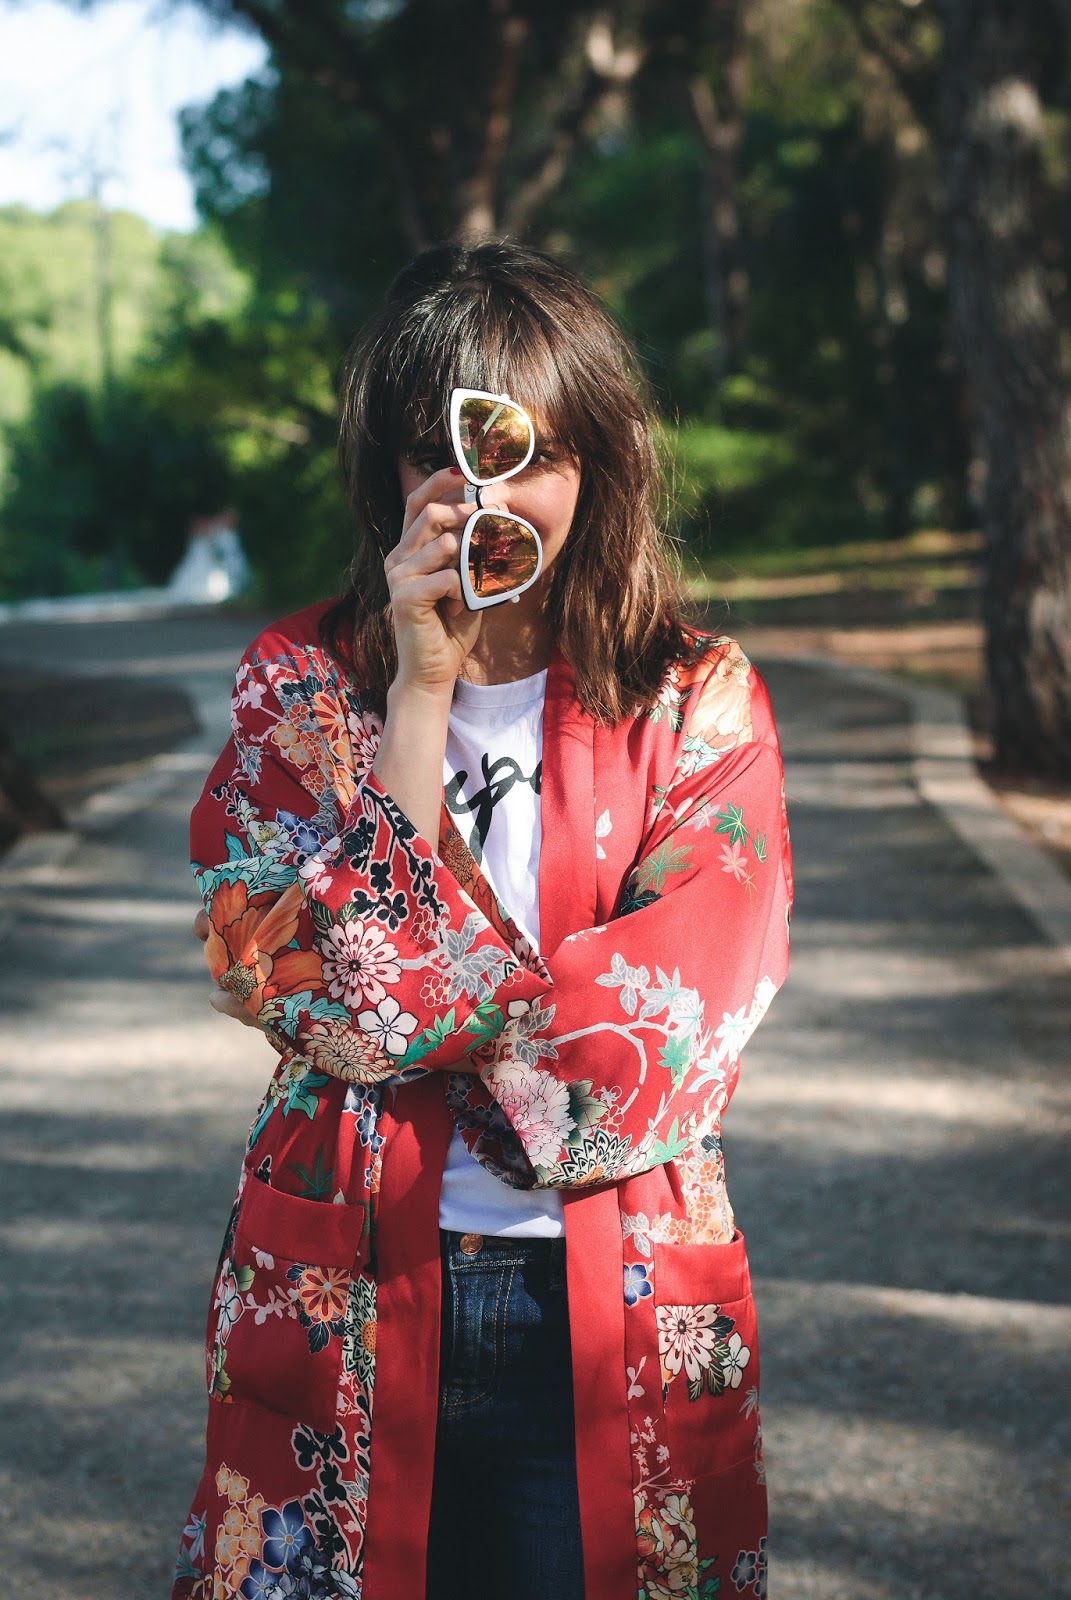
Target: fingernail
pixel 456 472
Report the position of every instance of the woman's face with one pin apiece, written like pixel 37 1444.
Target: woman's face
pixel 545 493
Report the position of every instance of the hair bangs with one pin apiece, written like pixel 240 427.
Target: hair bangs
pixel 484 339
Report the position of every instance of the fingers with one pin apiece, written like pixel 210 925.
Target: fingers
pixel 228 1006
pixel 423 590
pixel 437 554
pixel 201 925
pixel 445 487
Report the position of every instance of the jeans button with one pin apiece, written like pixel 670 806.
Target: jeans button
pixel 471 1244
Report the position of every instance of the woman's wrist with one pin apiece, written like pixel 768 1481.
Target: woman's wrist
pixel 409 761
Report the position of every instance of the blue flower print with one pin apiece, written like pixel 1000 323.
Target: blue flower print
pixel 363 1102
pixel 260 1584
pixel 285 1534
pixel 304 836
pixel 637 1283
pixel 746 1570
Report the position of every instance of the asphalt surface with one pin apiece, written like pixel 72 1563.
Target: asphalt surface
pixel 897 1156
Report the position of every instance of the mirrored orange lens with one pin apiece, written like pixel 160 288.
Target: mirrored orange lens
pixel 502 555
pixel 494 437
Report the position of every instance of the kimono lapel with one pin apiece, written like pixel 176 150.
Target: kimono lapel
pixel 567 886
pixel 568 902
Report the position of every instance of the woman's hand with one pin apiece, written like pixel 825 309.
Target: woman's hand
pixel 433 628
pixel 224 1003
pixel 434 631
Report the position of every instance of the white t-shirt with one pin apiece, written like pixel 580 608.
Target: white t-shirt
pixel 491 779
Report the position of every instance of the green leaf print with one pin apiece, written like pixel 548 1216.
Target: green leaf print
pixel 243 1277
pixel 759 843
pixel 654 869
pixel 428 1039
pixel 732 823
pixel 301 1096
pixel 486 1022
pixel 315 1180
pixel 323 919
pixel 584 1109
pixel 711 1585
pixel 666 1149
pixel 676 1056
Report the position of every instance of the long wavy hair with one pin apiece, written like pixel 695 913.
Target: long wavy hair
pixel 512 320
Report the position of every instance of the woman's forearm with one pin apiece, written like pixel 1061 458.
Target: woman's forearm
pixel 409 762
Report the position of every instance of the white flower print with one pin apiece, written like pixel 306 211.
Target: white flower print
pixel 735 1357
pixel 389 1025
pixel 270 838
pixel 603 826
pixel 313 871
pixel 538 1107
pixel 229 1301
pixel 686 1335
pixel 249 690
pixel 358 962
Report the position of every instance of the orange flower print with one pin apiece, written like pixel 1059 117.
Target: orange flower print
pixel 231 1484
pixel 234 918
pixel 322 1291
pixel 321 1295
pixel 292 743
pixel 247 947
pixel 332 724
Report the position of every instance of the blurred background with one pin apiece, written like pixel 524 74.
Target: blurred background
pixel 838 232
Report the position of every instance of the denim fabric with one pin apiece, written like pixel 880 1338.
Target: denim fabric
pixel 505 1522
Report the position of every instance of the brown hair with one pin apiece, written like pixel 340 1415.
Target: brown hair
pixel 512 320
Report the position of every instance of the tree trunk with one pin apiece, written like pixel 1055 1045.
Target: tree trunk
pixel 716 95
pixel 1007 343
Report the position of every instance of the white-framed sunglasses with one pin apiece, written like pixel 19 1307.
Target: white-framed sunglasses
pixel 493 438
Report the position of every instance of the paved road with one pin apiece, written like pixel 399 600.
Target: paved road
pixel 897 1154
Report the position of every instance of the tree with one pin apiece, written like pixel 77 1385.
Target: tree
pixel 996 57
pixel 475 106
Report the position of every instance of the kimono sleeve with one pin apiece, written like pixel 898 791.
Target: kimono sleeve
pixel 633 1053
pixel 332 920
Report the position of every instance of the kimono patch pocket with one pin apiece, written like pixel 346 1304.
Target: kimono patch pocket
pixel 281 1301
pixel 708 1354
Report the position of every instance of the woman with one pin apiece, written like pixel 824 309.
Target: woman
pixel 509 889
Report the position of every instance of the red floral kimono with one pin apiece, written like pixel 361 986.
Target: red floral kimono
pixel 403 1002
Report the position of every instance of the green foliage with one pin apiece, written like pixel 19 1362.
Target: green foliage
pixel 215 387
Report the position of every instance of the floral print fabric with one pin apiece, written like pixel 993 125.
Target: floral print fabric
pixel 380 967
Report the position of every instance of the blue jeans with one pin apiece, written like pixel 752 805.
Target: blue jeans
pixel 505 1522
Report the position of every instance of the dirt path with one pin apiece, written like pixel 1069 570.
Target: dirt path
pixel 897 1157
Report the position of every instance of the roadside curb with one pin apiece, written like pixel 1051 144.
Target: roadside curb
pixel 946 777
pixel 35 857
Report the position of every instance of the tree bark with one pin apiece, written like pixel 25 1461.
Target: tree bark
pixel 1007 342
pixel 716 96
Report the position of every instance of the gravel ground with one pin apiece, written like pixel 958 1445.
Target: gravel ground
pixel 897 1155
